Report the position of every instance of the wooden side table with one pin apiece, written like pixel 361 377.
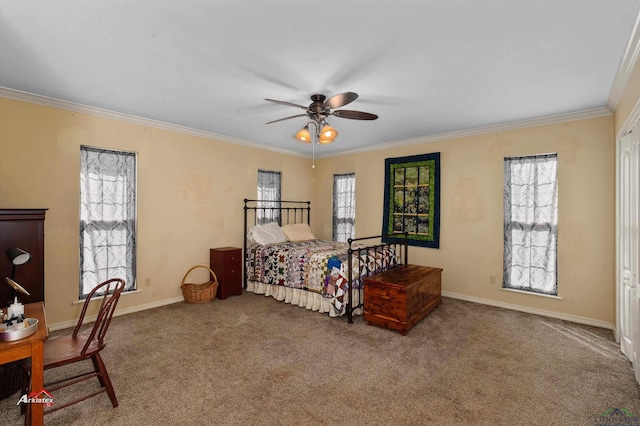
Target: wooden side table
pixel 32 346
pixel 226 262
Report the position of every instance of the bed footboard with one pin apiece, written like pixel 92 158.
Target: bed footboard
pixel 370 268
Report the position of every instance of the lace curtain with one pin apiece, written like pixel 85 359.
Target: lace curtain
pixel 268 189
pixel 107 217
pixel 530 223
pixel 344 207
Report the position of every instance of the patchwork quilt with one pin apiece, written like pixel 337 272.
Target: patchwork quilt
pixel 316 265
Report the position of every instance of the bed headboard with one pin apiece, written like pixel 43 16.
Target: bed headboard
pixel 289 212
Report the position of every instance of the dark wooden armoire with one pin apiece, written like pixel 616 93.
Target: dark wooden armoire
pixel 24 229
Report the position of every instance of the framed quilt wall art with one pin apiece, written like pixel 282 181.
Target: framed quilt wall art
pixel 412 200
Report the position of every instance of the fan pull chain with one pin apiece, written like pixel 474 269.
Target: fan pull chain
pixel 313 153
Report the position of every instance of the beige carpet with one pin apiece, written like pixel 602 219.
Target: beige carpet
pixel 252 360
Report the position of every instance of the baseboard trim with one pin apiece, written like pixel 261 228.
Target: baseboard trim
pixel 480 300
pixel 118 312
pixel 541 312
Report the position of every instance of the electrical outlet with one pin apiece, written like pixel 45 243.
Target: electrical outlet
pixel 147 282
pixel 492 279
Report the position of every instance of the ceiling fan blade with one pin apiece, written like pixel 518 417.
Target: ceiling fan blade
pixel 287 118
pixel 354 115
pixel 340 100
pixel 286 103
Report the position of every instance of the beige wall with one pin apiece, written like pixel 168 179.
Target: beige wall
pixel 629 98
pixel 190 193
pixel 471 234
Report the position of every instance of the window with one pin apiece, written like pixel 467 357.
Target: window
pixel 531 223
pixel 269 196
pixel 344 207
pixel 107 217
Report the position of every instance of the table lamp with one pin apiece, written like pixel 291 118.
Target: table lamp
pixel 18 257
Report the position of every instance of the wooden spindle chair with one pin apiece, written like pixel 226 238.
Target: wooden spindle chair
pixel 82 345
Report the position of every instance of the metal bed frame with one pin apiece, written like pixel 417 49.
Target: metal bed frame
pixel 292 212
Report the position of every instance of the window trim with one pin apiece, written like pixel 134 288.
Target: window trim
pixel 508 243
pixel 275 204
pixel 131 285
pixel 348 220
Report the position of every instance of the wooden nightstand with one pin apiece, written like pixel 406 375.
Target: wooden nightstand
pixel 226 262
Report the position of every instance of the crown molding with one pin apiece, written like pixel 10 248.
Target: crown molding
pixel 514 125
pixel 99 112
pixel 629 61
pixel 112 115
pixel 630 121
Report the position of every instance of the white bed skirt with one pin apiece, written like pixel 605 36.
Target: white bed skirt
pixel 299 297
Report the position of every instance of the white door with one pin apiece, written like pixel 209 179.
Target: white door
pixel 629 246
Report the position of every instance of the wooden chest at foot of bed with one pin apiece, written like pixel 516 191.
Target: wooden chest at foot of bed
pixel 400 297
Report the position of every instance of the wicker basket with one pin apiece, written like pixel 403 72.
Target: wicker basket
pixel 199 293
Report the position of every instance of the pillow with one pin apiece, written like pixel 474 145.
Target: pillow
pixel 298 232
pixel 270 233
pixel 250 236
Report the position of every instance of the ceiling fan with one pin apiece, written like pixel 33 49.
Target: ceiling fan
pixel 319 110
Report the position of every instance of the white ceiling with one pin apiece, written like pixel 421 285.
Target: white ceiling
pixel 425 67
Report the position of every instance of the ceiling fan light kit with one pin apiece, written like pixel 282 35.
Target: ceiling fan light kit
pixel 318 111
pixel 328 133
pixel 303 135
